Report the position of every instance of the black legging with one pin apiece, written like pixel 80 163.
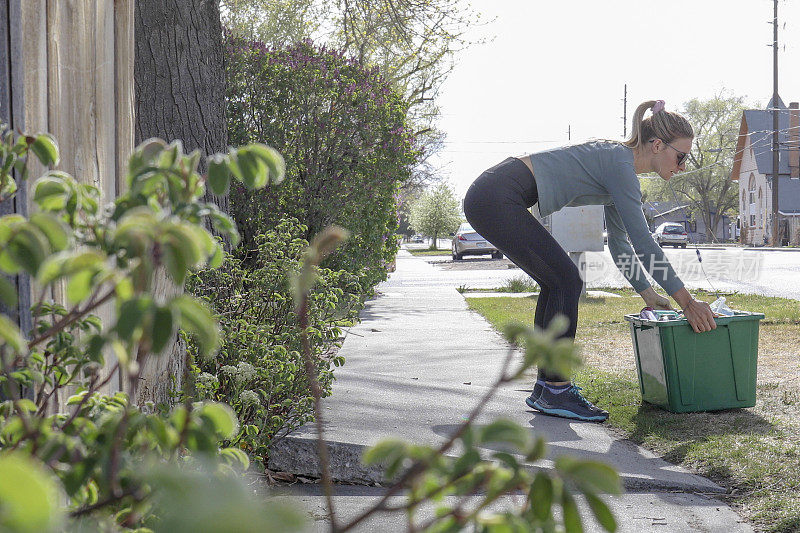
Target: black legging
pixel 497 205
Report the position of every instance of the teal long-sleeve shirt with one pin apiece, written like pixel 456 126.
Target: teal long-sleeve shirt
pixel 602 173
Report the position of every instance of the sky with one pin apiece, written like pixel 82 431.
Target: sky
pixel 558 64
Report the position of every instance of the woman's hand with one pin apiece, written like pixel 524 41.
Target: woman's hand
pixel 655 300
pixel 699 314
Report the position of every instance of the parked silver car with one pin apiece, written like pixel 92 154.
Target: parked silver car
pixel 671 233
pixel 466 241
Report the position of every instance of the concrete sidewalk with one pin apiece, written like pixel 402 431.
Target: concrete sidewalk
pixel 419 361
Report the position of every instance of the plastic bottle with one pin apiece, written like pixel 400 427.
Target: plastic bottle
pixel 721 308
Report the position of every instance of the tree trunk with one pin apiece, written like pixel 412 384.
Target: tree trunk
pixel 180 94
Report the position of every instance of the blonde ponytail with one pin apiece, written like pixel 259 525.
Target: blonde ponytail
pixel 664 125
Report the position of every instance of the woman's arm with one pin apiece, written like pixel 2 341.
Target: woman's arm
pixel 655 300
pixel 698 313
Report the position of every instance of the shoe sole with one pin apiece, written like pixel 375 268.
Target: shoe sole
pixel 563 413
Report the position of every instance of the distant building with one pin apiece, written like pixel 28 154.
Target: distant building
pixel 752 167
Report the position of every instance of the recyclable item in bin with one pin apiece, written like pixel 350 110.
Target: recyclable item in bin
pixel 683 371
pixel 719 307
pixel 648 313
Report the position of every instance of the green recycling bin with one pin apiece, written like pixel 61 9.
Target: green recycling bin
pixel 683 371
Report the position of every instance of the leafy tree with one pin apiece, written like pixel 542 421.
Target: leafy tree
pixel 276 23
pixel 343 133
pixel 436 212
pixel 412 43
pixel 705 187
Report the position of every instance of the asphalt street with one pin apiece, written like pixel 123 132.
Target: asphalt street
pixel 748 271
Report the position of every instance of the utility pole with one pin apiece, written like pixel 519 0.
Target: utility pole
pixel 569 132
pixel 775 144
pixel 625 113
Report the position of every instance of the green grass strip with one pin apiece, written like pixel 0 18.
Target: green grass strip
pixel 755 453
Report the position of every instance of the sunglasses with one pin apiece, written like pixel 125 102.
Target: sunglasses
pixel 682 156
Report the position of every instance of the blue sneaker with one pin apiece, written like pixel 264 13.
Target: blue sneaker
pixel 537 391
pixel 567 404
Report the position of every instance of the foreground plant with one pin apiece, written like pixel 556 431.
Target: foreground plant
pixel 466 486
pixel 61 439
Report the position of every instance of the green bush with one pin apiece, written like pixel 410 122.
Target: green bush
pixel 342 129
pixel 259 368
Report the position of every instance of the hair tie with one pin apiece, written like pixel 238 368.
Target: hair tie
pixel 658 106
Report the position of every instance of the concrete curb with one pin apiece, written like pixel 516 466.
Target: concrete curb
pixel 298 456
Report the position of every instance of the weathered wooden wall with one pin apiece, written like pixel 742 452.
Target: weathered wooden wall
pixel 77 83
pixel 12 113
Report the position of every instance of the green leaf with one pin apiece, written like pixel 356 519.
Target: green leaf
pixel 26 405
pixel 537 450
pixel 590 476
pixel 45 149
pixel 10 186
pixel 572 519
pixel 9 334
pixel 506 431
pixel 8 293
pixel 222 418
pixel 254 171
pixel 94 348
pixel 80 286
pixel 466 462
pixel 225 225
pixel 602 512
pixel 175 261
pixel 94 321
pixel 163 328
pixel 384 451
pixel 143 156
pixel 235 457
pixel 56 231
pixel 219 175
pixel 217 258
pixel 119 351
pixel 52 191
pixel 542 496
pixel 131 317
pixel 170 155
pixel 124 289
pixel 70 262
pixel 507 459
pixel 28 248
pixel 29 496
pixel 196 318
pixel 272 159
